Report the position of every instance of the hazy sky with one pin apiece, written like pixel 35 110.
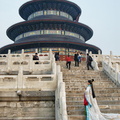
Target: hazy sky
pixel 103 16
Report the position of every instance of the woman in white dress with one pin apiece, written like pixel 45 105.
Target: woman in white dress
pixel 95 65
pixel 91 106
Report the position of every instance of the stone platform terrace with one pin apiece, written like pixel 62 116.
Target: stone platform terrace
pixel 49 91
pixel 27 89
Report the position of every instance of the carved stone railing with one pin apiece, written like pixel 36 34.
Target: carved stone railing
pixel 60 100
pixel 20 71
pixel 110 64
pixel 112 72
pixel 9 62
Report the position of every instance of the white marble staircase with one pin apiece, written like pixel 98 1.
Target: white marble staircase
pixel 107 93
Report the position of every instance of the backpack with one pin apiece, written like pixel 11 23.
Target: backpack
pixel 90 58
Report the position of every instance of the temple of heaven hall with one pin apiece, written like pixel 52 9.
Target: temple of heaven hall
pixel 50 24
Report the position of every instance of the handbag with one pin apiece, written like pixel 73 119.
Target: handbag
pixel 85 101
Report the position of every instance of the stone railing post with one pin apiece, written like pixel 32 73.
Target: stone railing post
pixel 87 51
pixel 36 50
pixel 22 55
pixel 64 112
pixel 50 54
pixel 100 56
pixel 99 53
pixel 54 67
pixel 31 63
pixel 109 65
pixel 22 51
pixel 57 96
pixel 111 56
pixel 9 51
pixel 9 60
pixel 90 52
pixel 60 100
pixel 58 69
pixel 20 78
pixel 116 71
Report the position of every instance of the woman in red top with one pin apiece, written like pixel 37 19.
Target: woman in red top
pixel 68 62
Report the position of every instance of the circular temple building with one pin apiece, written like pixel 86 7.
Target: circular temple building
pixel 50 24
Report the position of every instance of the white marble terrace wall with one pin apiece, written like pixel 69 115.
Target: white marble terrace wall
pixel 19 71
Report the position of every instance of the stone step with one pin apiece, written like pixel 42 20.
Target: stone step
pixel 97 74
pixel 76 112
pixel 26 112
pixel 82 67
pixel 115 102
pixel 76 117
pixel 67 74
pixel 82 86
pixel 28 118
pixel 83 72
pixel 97 94
pixel 27 96
pixel 95 86
pixel 100 90
pixel 82 111
pixel 97 90
pixel 78 80
pixel 102 107
pixel 84 81
pixel 85 78
pixel 31 105
pixel 74 98
pixel 78 71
